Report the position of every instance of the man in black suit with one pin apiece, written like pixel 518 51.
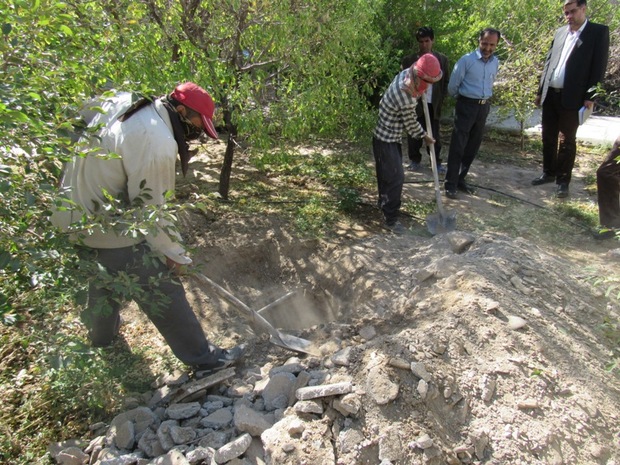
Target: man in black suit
pixel 575 63
pixel 435 96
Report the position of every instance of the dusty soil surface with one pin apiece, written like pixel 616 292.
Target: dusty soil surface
pixel 503 390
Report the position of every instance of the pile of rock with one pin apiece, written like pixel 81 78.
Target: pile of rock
pixel 356 406
pixel 283 414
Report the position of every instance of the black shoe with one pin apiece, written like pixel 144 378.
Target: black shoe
pixel 396 227
pixel 543 179
pixel 227 358
pixel 464 187
pixel 451 193
pixel 562 191
pixel 604 234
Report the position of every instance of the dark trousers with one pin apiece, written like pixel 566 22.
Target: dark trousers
pixel 390 177
pixel 414 145
pixel 608 189
pixel 469 121
pixel 559 125
pixel 158 294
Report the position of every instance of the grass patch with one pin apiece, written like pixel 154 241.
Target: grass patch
pixel 54 384
pixel 585 213
pixel 417 209
pixel 313 187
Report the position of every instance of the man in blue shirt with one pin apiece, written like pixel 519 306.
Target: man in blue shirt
pixel 471 83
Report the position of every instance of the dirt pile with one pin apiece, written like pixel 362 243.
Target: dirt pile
pixel 469 347
pixel 454 349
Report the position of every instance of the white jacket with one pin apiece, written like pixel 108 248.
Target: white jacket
pixel 143 153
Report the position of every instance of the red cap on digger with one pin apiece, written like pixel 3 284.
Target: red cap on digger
pixel 428 68
pixel 198 99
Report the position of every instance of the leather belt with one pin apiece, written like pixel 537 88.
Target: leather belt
pixel 482 101
pixel 555 89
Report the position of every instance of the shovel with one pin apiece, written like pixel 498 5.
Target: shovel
pixel 286 341
pixel 441 221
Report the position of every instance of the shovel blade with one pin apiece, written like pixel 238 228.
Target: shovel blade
pixel 294 343
pixel 439 224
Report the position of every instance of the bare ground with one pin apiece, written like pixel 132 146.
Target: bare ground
pixel 537 394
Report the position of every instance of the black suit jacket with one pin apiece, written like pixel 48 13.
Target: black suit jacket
pixel 585 66
pixel 440 88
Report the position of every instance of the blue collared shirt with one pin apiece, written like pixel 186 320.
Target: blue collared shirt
pixel 473 77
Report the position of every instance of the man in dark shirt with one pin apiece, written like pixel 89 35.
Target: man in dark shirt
pixel 434 96
pixel 608 191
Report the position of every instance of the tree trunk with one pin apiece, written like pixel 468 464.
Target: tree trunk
pixel 224 186
pixel 227 167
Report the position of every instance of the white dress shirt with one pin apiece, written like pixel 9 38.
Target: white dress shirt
pixel 557 78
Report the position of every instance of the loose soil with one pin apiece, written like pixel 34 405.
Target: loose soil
pixel 499 394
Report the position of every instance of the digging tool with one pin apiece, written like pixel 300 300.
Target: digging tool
pixel 441 221
pixel 278 301
pixel 286 341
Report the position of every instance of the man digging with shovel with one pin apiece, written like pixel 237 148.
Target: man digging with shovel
pixel 397 111
pixel 129 166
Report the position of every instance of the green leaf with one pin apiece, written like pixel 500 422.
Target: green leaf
pixel 66 29
pixel 15 116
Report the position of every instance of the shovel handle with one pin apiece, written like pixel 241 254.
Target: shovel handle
pixel 285 341
pixel 429 131
pixel 264 324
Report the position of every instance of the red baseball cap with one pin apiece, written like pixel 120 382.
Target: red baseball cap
pixel 198 99
pixel 428 70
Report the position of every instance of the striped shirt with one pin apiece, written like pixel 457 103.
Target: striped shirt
pixel 397 112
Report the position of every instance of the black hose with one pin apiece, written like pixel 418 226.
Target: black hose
pixel 505 194
pixel 510 196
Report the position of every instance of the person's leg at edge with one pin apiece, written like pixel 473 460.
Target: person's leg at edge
pixel 608 191
pixel 463 121
pixel 568 123
pixel 376 147
pixel 476 134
